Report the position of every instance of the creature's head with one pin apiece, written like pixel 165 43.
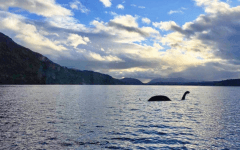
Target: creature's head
pixel 184 95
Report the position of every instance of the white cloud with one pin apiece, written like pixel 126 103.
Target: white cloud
pixel 79 6
pixel 165 25
pixel 146 20
pixel 97 57
pixel 177 11
pixel 213 6
pixel 47 8
pixel 120 6
pixel 174 12
pixel 126 20
pixel 66 23
pixel 106 3
pixel 76 40
pixel 118 32
pixel 142 7
pixel 158 46
pixel 29 34
pixel 55 14
pixel 125 28
pixel 111 13
pixel 218 30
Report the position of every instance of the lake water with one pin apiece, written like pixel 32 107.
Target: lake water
pixel 118 117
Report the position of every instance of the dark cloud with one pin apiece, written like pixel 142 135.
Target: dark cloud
pixel 129 29
pixel 128 62
pixel 220 31
pixel 187 33
pixel 208 72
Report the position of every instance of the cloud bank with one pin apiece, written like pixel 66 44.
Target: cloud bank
pixel 46 8
pixel 206 48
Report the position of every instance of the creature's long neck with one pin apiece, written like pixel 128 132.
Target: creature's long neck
pixel 184 95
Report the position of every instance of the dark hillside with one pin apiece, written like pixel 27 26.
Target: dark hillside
pixel 19 65
pixel 131 81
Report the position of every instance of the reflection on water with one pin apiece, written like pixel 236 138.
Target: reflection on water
pixel 118 117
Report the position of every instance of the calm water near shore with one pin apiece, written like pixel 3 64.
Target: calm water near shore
pixel 118 117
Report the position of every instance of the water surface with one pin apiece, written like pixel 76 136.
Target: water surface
pixel 118 117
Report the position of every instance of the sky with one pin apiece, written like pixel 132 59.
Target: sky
pixel 142 39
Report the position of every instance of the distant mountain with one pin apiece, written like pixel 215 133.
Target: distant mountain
pixel 229 82
pixel 19 65
pixel 131 81
pixel 170 80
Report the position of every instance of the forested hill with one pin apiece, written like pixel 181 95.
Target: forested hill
pixel 131 81
pixel 19 65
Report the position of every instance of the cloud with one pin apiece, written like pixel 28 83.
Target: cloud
pixel 120 6
pixel 218 30
pixel 29 35
pixel 130 25
pixel 54 13
pixel 111 13
pixel 66 23
pixel 129 29
pixel 76 40
pixel 209 72
pixel 142 7
pixel 97 57
pixel 126 20
pixel 125 29
pixel 146 20
pixel 213 6
pixel 157 46
pixel 106 3
pixel 46 8
pixel 168 25
pixel 177 11
pixel 174 12
pixel 79 6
